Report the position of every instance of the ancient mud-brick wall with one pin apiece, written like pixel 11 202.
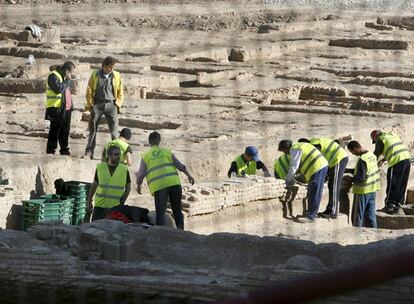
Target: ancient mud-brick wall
pixel 209 198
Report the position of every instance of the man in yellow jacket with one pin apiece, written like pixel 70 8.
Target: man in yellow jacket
pixel 104 96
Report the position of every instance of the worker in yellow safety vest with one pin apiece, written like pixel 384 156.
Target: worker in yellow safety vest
pixel 123 143
pixel 59 108
pixel 111 185
pixel 247 164
pixel 337 161
pixel 160 168
pixel 281 166
pixel 390 148
pixel 104 96
pixel 312 165
pixel 365 184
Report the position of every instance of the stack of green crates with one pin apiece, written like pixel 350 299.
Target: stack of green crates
pixel 47 208
pixel 79 191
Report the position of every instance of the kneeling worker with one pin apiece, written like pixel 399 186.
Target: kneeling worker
pixel 123 144
pixel 248 163
pixel 312 165
pixel 159 166
pixel 365 184
pixel 111 186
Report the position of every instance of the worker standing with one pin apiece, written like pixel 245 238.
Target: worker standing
pixel 104 96
pixel 123 144
pixel 111 185
pixel 337 161
pixel 395 153
pixel 366 182
pixel 159 166
pixel 313 166
pixel 248 163
pixel 59 108
pixel 281 166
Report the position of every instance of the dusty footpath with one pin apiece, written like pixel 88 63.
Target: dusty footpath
pixel 212 78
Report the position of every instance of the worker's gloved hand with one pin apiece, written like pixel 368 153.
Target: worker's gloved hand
pixel 191 180
pixel 139 189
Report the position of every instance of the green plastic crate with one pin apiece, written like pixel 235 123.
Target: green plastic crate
pixel 79 218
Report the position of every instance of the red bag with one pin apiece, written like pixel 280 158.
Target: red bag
pixel 118 216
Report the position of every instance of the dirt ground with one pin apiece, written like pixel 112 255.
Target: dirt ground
pixel 212 78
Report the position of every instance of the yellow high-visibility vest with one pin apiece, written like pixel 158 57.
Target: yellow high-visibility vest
pixel 248 167
pixel 161 171
pixel 394 149
pixel 281 165
pixel 111 187
pixel 372 182
pixel 333 152
pixel 311 160
pixel 53 99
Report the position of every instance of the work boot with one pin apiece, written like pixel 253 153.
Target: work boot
pixel 327 214
pixel 65 152
pixel 389 209
pixel 50 152
pixel 307 220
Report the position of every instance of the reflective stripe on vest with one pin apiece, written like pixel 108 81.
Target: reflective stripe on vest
pixel 331 150
pixel 110 188
pixel 372 182
pixel 161 171
pixel 123 146
pixel 394 150
pixel 249 168
pixel 311 160
pixel 282 165
pixel 53 100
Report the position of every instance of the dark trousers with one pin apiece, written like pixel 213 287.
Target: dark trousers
pixel 110 111
pixel 99 213
pixel 335 175
pixel 174 194
pixel 364 210
pixel 397 180
pixel 59 131
pixel 315 190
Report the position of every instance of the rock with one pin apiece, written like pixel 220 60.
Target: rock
pixel 304 263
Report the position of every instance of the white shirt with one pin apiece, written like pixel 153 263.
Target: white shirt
pixel 295 155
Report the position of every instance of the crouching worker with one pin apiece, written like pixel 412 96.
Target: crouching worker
pixel 365 184
pixel 111 186
pixel 159 166
pixel 248 163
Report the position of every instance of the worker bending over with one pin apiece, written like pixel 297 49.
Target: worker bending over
pixel 111 185
pixel 281 166
pixel 366 182
pixel 395 153
pixel 123 144
pixel 312 165
pixel 248 163
pixel 159 167
pixel 337 161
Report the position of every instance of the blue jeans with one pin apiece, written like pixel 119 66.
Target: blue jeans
pixel 315 189
pixel 364 210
